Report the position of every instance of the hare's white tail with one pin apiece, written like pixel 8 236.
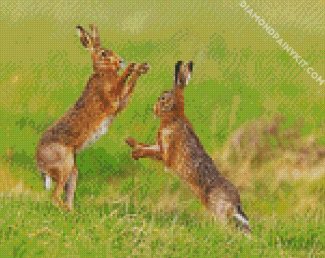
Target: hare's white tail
pixel 47 181
pixel 242 220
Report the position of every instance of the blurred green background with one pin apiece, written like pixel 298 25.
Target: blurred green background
pixel 242 80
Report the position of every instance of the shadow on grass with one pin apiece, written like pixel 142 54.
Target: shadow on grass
pixel 97 165
pixel 21 159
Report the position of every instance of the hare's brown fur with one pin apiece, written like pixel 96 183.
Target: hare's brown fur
pixel 180 150
pixel 105 95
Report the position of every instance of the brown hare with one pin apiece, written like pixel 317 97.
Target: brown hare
pixel 105 95
pixel 181 151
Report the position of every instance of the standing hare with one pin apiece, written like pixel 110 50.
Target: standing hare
pixel 105 95
pixel 181 151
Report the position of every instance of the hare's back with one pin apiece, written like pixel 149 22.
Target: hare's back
pixel 78 125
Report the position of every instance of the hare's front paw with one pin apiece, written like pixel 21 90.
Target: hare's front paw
pixel 131 68
pixel 143 68
pixel 137 153
pixel 131 142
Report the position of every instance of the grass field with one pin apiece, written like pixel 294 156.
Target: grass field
pixel 242 80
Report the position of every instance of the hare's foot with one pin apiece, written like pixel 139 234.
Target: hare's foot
pixel 142 68
pixel 131 142
pixel 57 202
pixel 66 207
pixel 137 154
pixel 70 188
pixel 57 194
pixel 61 205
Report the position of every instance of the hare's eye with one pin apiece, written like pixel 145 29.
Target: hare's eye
pixel 103 54
pixel 162 98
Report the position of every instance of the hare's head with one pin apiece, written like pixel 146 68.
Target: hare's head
pixel 166 104
pixel 171 103
pixel 103 59
pixel 183 73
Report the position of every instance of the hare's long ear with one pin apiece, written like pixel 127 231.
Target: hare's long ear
pixel 190 66
pixel 189 72
pixel 85 38
pixel 177 71
pixel 95 35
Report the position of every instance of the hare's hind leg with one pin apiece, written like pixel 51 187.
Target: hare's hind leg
pixel 57 162
pixel 63 176
pixel 220 206
pixel 57 193
pixel 226 212
pixel 70 187
pixel 220 210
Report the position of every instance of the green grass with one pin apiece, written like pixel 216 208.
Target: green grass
pixel 126 208
pixel 139 210
pixel 123 229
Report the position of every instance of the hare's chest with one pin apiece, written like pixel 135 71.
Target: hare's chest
pixel 165 138
pixel 101 129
